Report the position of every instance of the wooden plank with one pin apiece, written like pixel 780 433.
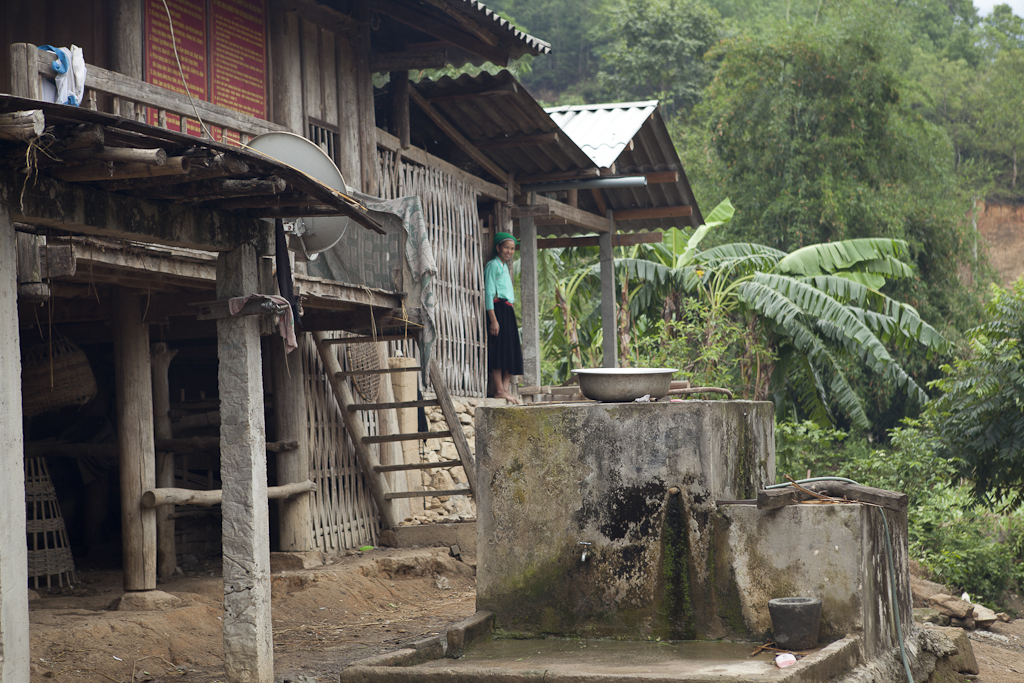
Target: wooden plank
pixel 458 138
pixel 368 340
pixel 577 217
pixel 400 106
pixel 411 436
pixel 618 240
pixel 559 175
pixel 415 154
pixel 396 405
pixel 532 210
pixel 419 466
pixel 430 494
pixel 657 212
pixel 216 310
pixel 602 206
pixel 378 371
pixel 452 418
pixel 518 141
pixel 367 460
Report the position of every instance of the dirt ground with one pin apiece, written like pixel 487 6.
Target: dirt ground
pixel 324 618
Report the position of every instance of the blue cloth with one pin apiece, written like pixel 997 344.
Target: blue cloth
pixel 497 283
pixel 60 65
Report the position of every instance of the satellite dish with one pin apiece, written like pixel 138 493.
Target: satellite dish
pixel 318 233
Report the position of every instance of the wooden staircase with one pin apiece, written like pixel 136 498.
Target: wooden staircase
pixel 380 489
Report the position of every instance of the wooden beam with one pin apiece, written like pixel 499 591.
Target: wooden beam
pixel 532 210
pixel 577 217
pixel 602 206
pixel 409 14
pixel 103 171
pixel 22 126
pixel 154 157
pixel 400 106
pixel 172 496
pixel 415 154
pixel 658 212
pixel 659 177
pixel 518 141
pixel 458 138
pixel 559 175
pixel 509 88
pixel 618 240
pixel 417 60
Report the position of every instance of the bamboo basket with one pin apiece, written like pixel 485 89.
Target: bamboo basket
pixel 365 357
pixel 49 553
pixel 55 375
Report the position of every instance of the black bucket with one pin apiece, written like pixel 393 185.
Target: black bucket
pixel 795 622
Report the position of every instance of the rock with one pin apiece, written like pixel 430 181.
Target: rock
pixel 32 595
pixel 465 418
pixel 467 431
pixel 922 589
pixel 388 538
pixel 435 417
pixel 145 601
pixel 460 407
pixel 983 616
pixel 930 615
pixel 952 646
pixel 1003 617
pixel 295 560
pixel 962 623
pixel 954 607
pixel 442 481
pixel 448 451
pixel 424 478
pixel 442 583
pixel 471 409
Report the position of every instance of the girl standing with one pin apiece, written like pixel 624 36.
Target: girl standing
pixel 504 352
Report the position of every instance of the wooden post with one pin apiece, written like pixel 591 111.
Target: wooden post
pixel 30 279
pixel 349 130
pixel 14 642
pixel 364 99
pixel 166 550
pixel 295 520
pixel 400 106
pixel 134 391
pixel 126 26
pixel 403 384
pixel 248 639
pixel 25 72
pixel 609 319
pixel 530 297
pixel 391 453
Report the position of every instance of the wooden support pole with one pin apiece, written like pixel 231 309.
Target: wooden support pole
pixel 457 137
pixel 367 461
pixel 169 497
pixel 248 638
pixel 387 420
pixel 14 641
pixel 400 106
pixel 403 385
pixel 530 293
pixel 133 382
pixel 166 550
pixel 30 272
pixel 609 319
pixel 101 170
pixel 295 520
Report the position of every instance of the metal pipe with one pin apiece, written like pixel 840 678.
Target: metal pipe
pixel 588 183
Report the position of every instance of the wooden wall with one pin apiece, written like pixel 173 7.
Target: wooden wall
pixel 60 23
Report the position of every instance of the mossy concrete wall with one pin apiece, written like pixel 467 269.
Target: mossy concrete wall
pixel 833 552
pixel 552 477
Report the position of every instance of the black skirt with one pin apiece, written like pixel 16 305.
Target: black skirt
pixel 504 352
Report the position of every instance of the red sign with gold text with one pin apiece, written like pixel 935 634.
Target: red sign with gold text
pixel 189 20
pixel 238 55
pixel 223 53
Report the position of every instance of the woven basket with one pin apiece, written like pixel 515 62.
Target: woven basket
pixel 55 375
pixel 364 357
pixel 49 553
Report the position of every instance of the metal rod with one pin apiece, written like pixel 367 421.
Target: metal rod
pixel 588 183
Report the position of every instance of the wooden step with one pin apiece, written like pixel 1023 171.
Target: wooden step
pixel 364 340
pixel 398 404
pixel 388 438
pixel 417 466
pixel 427 494
pixel 380 371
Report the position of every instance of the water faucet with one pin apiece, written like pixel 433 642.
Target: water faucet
pixel 583 558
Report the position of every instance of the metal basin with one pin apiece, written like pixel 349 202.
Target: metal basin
pixel 615 385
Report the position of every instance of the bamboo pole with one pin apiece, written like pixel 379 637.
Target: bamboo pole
pixel 166 551
pixel 167 497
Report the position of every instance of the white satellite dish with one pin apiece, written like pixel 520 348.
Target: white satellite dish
pixel 318 233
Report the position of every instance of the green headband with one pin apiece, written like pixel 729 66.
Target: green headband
pixel 500 237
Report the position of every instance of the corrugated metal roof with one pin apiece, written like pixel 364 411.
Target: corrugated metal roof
pixel 493 112
pixel 472 7
pixel 603 130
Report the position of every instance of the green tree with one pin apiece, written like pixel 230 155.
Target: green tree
pixel 655 50
pixel 979 417
pixel 1000 118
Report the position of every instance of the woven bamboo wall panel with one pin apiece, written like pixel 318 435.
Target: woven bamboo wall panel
pixel 344 515
pixel 453 225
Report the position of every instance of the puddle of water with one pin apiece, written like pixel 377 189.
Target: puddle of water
pixel 610 656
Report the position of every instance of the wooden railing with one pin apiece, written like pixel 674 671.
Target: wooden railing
pixel 134 99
